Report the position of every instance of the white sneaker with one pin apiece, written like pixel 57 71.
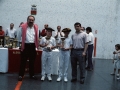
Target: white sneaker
pixel 118 75
pixel 59 79
pixel 118 78
pixel 49 78
pixel 65 79
pixel 43 78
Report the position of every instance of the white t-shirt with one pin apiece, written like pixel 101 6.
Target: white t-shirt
pixel 91 38
pixel 11 33
pixel 67 42
pixel 51 42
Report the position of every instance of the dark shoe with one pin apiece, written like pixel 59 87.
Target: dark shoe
pixel 73 80
pixel 33 77
pixel 20 78
pixel 87 68
pixel 90 69
pixel 82 81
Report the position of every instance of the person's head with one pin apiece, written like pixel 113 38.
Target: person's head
pixel 49 31
pixel 21 23
pixel 0 28
pixel 46 26
pixel 11 26
pixel 30 20
pixel 66 31
pixel 58 28
pixel 77 26
pixel 82 28
pixel 117 46
pixel 88 30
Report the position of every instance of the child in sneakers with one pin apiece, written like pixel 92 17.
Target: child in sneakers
pixel 116 60
pixel 64 58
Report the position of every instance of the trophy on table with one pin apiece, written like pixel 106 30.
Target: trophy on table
pixel 1 41
pixel 63 42
pixel 6 41
pixel 15 41
pixel 10 43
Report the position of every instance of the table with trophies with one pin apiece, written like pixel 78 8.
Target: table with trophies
pixel 10 60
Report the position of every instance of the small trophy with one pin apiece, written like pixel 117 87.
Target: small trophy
pixel 11 43
pixel 63 42
pixel 48 42
pixel 15 43
pixel 1 41
pixel 6 41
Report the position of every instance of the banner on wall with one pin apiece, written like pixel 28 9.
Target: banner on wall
pixel 33 10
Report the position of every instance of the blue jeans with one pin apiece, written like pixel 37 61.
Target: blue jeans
pixel 76 55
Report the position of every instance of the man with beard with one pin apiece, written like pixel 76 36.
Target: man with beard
pixel 29 32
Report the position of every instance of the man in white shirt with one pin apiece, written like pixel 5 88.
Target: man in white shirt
pixel 90 48
pixel 64 58
pixel 29 32
pixel 58 34
pixel 47 43
pixel 11 32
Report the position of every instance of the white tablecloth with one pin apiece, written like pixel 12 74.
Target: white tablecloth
pixel 3 60
pixel 55 62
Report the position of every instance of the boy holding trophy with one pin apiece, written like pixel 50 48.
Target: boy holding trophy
pixel 47 43
pixel 65 44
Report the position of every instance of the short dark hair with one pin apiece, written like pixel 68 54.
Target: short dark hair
pixel 58 26
pixel 118 46
pixel 77 23
pixel 89 29
pixel 0 26
pixel 30 16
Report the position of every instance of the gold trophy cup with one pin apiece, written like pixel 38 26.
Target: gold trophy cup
pixel 15 43
pixel 1 41
pixel 6 41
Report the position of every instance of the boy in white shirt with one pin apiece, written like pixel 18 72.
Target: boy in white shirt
pixel 65 45
pixel 48 43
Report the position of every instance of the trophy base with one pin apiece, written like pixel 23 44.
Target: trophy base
pixel 1 46
pixel 6 46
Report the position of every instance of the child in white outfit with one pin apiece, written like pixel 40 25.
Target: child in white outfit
pixel 116 60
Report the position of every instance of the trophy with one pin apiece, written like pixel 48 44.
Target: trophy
pixel 63 42
pixel 48 42
pixel 6 41
pixel 15 43
pixel 1 41
pixel 11 43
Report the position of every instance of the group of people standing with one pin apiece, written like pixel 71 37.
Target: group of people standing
pixel 72 48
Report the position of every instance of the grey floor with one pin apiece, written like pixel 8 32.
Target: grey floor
pixel 98 79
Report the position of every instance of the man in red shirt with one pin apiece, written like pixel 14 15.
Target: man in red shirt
pixel 1 31
pixel 43 32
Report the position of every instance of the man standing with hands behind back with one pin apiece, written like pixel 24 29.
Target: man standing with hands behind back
pixel 29 32
pixel 79 44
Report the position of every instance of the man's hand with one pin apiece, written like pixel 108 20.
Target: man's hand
pixel 83 54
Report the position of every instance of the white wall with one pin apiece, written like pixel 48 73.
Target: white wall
pixel 101 15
